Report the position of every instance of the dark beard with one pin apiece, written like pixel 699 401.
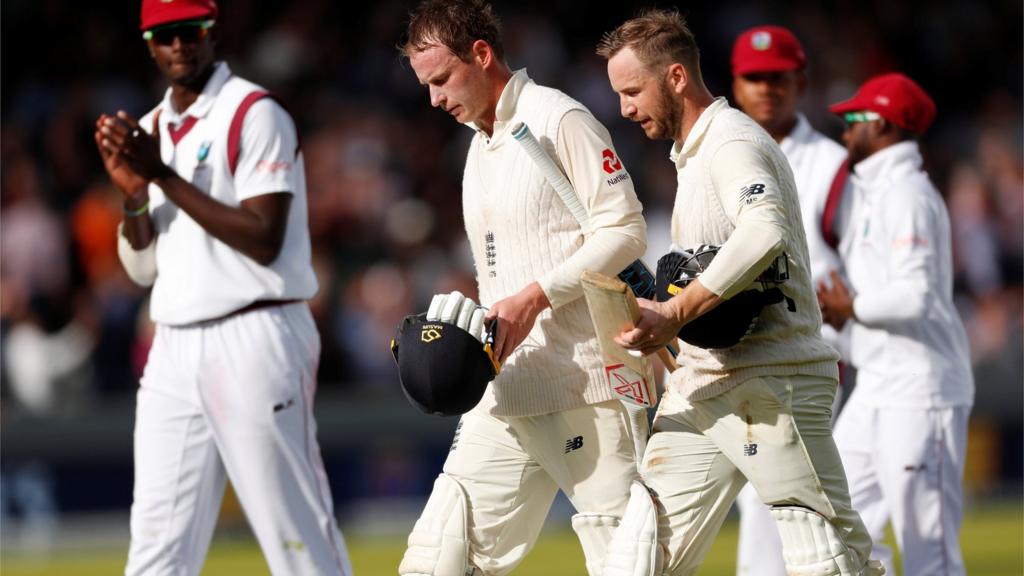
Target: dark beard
pixel 671 114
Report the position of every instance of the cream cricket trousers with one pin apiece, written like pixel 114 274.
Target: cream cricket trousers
pixel 907 465
pixel 512 467
pixel 232 399
pixel 759 550
pixel 775 432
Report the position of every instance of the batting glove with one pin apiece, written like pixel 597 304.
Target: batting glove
pixel 457 309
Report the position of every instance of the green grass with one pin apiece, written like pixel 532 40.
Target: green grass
pixel 991 539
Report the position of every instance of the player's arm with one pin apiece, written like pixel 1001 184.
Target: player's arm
pixel 911 245
pixel 749 194
pixel 748 189
pixel 618 231
pixel 256 227
pixel 110 136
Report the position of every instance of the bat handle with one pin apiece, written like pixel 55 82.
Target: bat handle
pixel 665 355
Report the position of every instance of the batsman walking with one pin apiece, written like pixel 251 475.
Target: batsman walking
pixel 215 220
pixel 758 410
pixel 549 420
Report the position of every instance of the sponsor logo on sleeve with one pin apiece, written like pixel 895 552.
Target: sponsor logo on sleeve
pixel 273 167
pixel 611 161
pixel 611 165
pixel 752 193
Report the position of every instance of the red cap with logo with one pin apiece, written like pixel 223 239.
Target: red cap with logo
pixel 159 12
pixel 767 49
pixel 894 97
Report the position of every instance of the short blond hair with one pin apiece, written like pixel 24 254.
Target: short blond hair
pixel 658 37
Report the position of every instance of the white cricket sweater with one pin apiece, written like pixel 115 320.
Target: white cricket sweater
pixel 736 190
pixel 520 231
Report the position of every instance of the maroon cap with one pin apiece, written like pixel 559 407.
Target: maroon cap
pixel 159 12
pixel 894 97
pixel 767 49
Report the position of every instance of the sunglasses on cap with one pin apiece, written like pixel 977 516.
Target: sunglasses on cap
pixel 865 116
pixel 188 32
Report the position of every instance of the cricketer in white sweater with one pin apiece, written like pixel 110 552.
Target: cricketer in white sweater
pixel 520 232
pixel 718 202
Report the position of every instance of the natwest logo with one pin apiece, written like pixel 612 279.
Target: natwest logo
pixel 611 162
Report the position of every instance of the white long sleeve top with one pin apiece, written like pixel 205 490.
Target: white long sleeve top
pixel 520 232
pixel 736 190
pixel 908 342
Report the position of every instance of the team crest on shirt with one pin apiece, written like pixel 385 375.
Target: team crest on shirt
pixel 204 151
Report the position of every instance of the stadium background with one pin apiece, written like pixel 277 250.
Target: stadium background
pixel 384 171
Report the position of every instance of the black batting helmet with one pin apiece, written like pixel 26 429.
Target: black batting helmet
pixel 442 368
pixel 730 321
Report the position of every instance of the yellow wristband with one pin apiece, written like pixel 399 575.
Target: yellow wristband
pixel 138 212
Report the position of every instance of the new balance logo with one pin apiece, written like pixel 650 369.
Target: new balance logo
pixel 573 444
pixel 750 193
pixel 750 449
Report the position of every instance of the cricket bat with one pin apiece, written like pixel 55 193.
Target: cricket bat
pixel 637 275
pixel 613 309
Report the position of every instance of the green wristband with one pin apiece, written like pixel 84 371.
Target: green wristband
pixel 139 211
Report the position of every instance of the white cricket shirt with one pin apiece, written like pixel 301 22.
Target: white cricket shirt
pixel 199 277
pixel 908 343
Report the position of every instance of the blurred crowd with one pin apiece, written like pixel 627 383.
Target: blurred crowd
pixel 384 169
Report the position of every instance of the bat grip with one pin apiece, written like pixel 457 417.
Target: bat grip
pixel 665 355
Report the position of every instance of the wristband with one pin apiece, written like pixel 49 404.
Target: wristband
pixel 139 211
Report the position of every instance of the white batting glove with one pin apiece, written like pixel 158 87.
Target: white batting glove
pixel 463 312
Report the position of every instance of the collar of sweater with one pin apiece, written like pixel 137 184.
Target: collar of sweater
pixel 681 151
pixel 506 107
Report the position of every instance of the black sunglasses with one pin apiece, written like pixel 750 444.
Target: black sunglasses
pixel 187 32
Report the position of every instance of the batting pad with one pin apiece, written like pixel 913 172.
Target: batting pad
pixel 595 533
pixel 438 544
pixel 633 550
pixel 812 546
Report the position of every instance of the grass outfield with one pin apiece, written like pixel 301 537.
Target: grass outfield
pixel 991 539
